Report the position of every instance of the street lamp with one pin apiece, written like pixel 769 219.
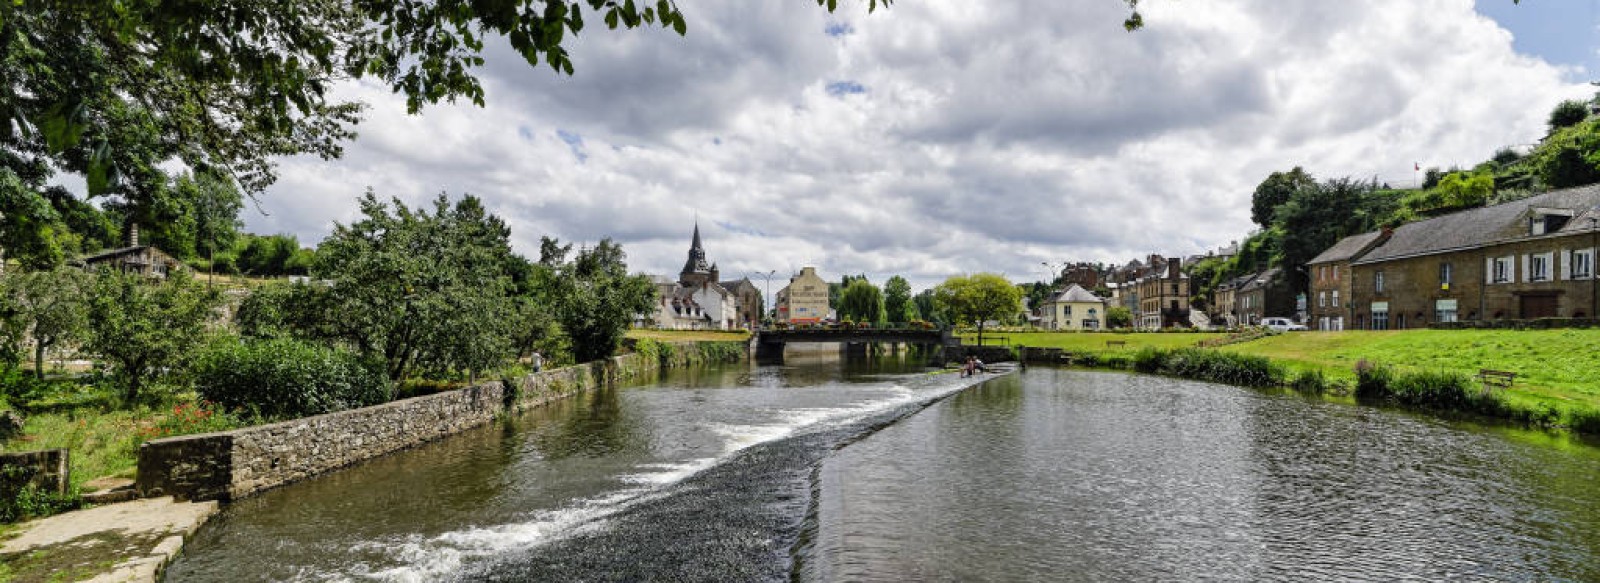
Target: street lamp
pixel 767 297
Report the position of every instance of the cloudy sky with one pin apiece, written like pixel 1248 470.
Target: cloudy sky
pixel 941 137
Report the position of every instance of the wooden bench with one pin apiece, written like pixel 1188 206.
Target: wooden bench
pixel 1117 343
pixel 1496 378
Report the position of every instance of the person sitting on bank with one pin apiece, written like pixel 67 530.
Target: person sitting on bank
pixel 977 365
pixel 966 367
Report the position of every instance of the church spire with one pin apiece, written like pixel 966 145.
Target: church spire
pixel 695 268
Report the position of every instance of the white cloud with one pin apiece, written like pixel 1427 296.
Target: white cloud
pixel 956 137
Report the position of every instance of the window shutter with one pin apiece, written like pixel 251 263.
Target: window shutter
pixel 1488 270
pixel 1566 264
pixel 1524 268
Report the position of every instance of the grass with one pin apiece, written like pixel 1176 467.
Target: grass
pixel 1096 341
pixel 689 335
pixel 1555 368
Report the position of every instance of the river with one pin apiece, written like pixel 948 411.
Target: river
pixel 819 470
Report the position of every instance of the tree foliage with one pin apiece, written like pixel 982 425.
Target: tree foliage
pixel 108 89
pixel 862 302
pixel 978 298
pixel 897 303
pixel 143 327
pixel 1274 191
pixel 1567 114
pixel 417 288
pixel 595 299
pixel 51 306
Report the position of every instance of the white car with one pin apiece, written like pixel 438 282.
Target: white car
pixel 1282 324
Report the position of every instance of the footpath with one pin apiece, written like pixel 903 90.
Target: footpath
pixel 122 542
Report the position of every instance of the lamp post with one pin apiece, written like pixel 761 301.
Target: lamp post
pixel 767 297
pixel 1594 250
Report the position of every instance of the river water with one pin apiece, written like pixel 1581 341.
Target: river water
pixel 877 471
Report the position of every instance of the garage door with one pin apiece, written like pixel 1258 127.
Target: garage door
pixel 1538 307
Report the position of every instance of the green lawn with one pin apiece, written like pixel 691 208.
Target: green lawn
pixel 1092 341
pixel 689 335
pixel 1556 367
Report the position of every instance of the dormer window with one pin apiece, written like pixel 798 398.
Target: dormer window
pixel 1543 220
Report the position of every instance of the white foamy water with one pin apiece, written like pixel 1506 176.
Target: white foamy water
pixel 433 558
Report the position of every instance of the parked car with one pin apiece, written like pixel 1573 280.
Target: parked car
pixel 1282 324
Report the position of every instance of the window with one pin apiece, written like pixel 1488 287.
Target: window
pixel 1380 315
pixel 1335 298
pixel 1322 299
pixel 1539 267
pixel 1501 268
pixel 1377 282
pixel 1580 264
pixel 1444 310
pixel 1066 311
pixel 1446 275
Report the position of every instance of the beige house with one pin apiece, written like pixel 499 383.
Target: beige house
pixel 804 300
pixel 1074 308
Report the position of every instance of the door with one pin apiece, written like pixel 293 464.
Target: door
pixel 1540 306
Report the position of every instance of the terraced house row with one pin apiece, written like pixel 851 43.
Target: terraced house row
pixel 1526 259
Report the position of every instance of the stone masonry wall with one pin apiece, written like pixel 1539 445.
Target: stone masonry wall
pixel 234 464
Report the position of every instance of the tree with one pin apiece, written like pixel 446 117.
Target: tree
pixel 413 288
pixel 928 308
pixel 897 304
pixel 1316 218
pixel 862 302
pixel 224 87
pixel 215 203
pixel 27 225
pixel 52 306
pixel 595 299
pixel 1119 317
pixel 1274 191
pixel 143 327
pixel 977 298
pixel 1567 114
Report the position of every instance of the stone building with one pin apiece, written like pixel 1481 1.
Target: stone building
pixel 1531 258
pixel 804 300
pixel 1330 305
pixel 696 301
pixel 1225 301
pixel 1073 308
pixel 144 260
pixel 749 301
pixel 1163 298
pixel 1267 295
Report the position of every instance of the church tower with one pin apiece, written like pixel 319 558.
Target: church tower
pixel 696 271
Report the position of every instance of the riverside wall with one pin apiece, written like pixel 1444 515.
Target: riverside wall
pixel 234 464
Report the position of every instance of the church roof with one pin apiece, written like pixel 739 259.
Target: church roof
pixel 697 255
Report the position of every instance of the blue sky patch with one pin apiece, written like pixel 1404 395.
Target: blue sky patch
pixel 841 88
pixel 838 29
pixel 575 143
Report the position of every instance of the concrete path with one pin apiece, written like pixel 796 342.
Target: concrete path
pixel 128 541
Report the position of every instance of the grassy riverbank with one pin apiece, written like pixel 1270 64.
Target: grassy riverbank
pixel 689 335
pixel 1555 368
pixel 1094 341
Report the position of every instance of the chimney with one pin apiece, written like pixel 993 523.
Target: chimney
pixel 1174 266
pixel 132 234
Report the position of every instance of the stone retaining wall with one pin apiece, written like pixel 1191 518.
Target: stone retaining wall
pixel 234 464
pixel 45 470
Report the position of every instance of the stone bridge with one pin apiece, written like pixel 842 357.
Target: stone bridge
pixel 769 344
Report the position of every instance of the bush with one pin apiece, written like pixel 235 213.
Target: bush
pixel 1223 367
pixel 1310 382
pixel 286 378
pixel 1149 360
pixel 1585 420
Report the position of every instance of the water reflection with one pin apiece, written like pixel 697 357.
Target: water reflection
pixel 1063 475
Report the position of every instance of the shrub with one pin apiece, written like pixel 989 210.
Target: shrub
pixel 286 378
pixel 1585 420
pixel 1149 360
pixel 1372 381
pixel 1223 367
pixel 1310 382
pixel 30 501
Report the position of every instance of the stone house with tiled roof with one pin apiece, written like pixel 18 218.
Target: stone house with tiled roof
pixel 1329 306
pixel 1267 294
pixel 1073 308
pixel 1526 259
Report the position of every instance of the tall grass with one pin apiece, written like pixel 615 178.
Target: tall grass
pixel 1210 365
